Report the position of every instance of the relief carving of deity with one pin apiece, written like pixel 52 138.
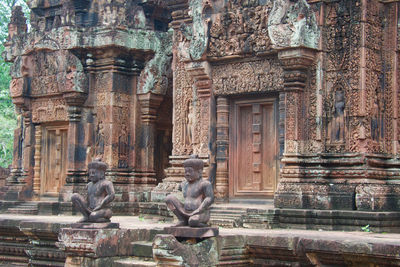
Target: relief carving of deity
pixel 338 120
pixel 190 124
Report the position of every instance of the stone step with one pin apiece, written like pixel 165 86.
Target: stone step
pixel 228 217
pixel 22 211
pixel 225 222
pixel 142 249
pixel 29 205
pixel 133 262
pixel 224 208
pixel 213 213
pixel 226 212
pixel 30 208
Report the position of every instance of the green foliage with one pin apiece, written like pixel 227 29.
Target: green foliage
pixel 366 228
pixel 7 114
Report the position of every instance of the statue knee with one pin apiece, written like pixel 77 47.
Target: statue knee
pixel 170 201
pixel 194 221
pixel 169 198
pixel 108 214
pixel 75 197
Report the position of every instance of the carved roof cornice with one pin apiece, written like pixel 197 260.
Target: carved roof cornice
pixel 68 38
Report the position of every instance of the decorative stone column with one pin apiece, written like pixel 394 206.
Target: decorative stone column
pixel 37 158
pixel 201 73
pixel 149 104
pixel 222 175
pixel 77 157
pixel 296 62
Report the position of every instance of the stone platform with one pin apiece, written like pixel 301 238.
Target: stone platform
pixel 254 216
pixel 35 240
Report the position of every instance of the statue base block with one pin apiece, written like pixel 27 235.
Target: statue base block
pixel 192 232
pixel 103 225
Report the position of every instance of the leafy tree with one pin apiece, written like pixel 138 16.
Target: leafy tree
pixel 7 114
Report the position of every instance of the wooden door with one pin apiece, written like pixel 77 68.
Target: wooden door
pixel 53 159
pixel 253 148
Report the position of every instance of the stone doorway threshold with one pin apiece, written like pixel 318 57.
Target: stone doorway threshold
pixel 33 239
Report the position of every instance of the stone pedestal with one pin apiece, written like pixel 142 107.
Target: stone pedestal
pixel 92 246
pixel 105 225
pixel 192 232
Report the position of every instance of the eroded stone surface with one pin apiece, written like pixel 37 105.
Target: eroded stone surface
pixel 168 250
pixel 192 232
pixel 94 225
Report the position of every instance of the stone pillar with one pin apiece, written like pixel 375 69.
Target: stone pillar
pixel 296 62
pixel 149 104
pixel 16 167
pixel 37 158
pixel 201 73
pixel 76 164
pixel 222 177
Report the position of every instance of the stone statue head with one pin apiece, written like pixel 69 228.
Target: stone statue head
pixel 193 168
pixel 97 170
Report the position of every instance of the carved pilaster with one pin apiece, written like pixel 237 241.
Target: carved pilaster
pixel 222 175
pixel 201 73
pixel 149 104
pixel 296 62
pixel 37 157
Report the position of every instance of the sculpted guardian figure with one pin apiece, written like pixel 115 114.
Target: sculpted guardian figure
pixel 198 194
pixel 100 192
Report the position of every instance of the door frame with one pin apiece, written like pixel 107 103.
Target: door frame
pixel 233 124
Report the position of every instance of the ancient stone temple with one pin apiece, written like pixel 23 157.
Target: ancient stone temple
pixel 90 79
pixel 295 101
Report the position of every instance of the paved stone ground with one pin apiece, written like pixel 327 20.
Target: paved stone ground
pixel 135 222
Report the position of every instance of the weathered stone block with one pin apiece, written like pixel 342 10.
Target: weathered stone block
pixel 167 250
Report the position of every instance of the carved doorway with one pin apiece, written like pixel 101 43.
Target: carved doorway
pixel 253 148
pixel 53 169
